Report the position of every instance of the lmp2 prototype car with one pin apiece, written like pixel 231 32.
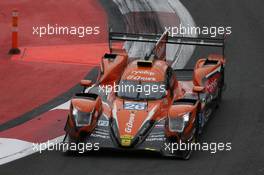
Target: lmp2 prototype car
pixel 142 103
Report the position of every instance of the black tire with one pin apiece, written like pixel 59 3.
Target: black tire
pixel 198 128
pixel 185 155
pixel 69 140
pixel 220 89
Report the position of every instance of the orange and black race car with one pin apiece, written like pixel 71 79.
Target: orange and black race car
pixel 143 103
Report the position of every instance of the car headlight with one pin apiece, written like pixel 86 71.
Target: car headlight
pixel 82 118
pixel 177 124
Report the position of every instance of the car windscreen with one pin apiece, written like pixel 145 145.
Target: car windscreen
pixel 138 90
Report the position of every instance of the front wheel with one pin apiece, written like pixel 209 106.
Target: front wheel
pixel 68 140
pixel 185 155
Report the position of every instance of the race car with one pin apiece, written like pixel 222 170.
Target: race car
pixel 143 103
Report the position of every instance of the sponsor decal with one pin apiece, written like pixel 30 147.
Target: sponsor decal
pixel 100 136
pixel 211 84
pixel 103 122
pixel 159 126
pixel 140 78
pixel 126 140
pixel 129 124
pixel 143 72
pixel 157 136
pixel 142 75
pixel 155 139
pixel 101 133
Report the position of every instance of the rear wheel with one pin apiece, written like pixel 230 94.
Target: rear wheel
pixel 220 89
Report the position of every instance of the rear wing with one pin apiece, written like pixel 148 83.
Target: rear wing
pixel 166 39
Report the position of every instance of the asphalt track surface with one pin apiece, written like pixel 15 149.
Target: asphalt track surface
pixel 238 120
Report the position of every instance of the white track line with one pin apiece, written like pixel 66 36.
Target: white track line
pixel 64 106
pixel 13 149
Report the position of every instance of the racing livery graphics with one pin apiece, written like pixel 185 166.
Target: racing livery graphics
pixel 153 105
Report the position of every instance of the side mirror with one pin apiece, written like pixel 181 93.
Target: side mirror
pixel 86 83
pixel 198 89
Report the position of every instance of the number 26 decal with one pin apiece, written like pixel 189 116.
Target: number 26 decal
pixel 135 106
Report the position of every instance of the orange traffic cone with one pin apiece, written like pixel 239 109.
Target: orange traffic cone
pixel 14 50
